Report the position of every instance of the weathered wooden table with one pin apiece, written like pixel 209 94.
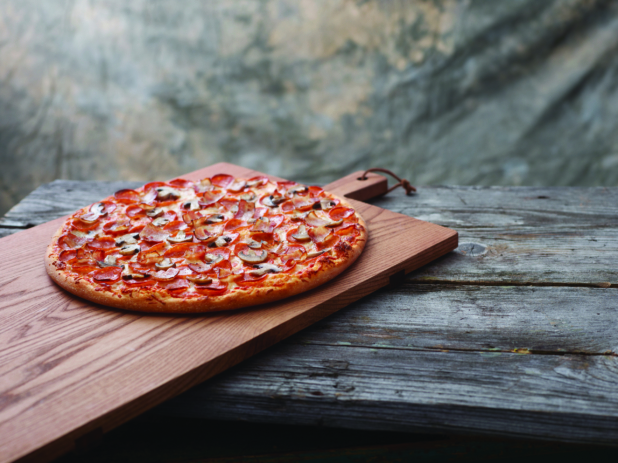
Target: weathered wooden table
pixel 513 334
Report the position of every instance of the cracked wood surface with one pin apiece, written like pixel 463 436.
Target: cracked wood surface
pixel 513 334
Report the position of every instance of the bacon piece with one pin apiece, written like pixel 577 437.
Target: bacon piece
pixel 200 267
pixel 293 251
pixel 257 181
pixel 245 211
pixel 148 198
pixel 127 196
pixel 179 284
pixel 190 216
pixel 108 274
pixel 135 211
pixel 340 212
pixel 268 224
pixel 328 242
pixel 71 241
pixel 319 234
pixel 103 207
pixel 348 230
pixel 210 197
pixel 152 233
pixel 166 275
pixel 216 288
pixel 316 220
pixel 202 234
pixel 117 227
pixel 136 267
pixel 303 203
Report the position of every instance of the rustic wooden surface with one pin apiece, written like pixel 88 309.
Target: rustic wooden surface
pixel 65 360
pixel 515 335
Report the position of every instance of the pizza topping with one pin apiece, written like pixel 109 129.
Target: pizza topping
pixel 301 234
pixel 153 233
pixel 165 264
pixel 263 269
pixel 253 257
pixel 129 249
pixel 166 193
pixel 200 279
pixel 191 206
pixel 313 254
pixel 166 275
pixel 273 200
pixel 149 240
pixel 155 212
pixel 127 196
pixel 180 237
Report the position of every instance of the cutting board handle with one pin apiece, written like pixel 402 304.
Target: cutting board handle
pixel 351 186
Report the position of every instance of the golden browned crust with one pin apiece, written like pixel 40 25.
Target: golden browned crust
pixel 275 287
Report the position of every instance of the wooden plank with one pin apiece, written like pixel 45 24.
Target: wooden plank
pixel 558 397
pixel 65 362
pixel 514 359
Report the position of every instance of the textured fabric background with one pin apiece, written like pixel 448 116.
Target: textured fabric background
pixel 442 91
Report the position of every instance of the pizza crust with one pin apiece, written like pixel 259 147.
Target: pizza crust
pixel 275 287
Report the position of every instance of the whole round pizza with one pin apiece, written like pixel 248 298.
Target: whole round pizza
pixel 217 244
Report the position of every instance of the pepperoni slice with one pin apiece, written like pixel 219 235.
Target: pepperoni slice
pixel 102 242
pixel 140 283
pixel 340 212
pixel 303 203
pixel 105 207
pixel 117 227
pixel 153 185
pixel 348 230
pixel 84 269
pixel 222 180
pixel 67 255
pixel 108 274
pixel 200 267
pixel 235 224
pixel 136 267
pixel 82 226
pixel 316 191
pixel 216 288
pixel 178 250
pixel 127 196
pixel 287 206
pixel 181 183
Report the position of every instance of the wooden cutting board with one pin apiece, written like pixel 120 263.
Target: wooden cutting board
pixel 71 370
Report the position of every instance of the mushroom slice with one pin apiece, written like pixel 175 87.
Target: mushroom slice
pixel 191 205
pixel 156 212
pixel 130 249
pixel 334 223
pixel 273 200
pixel 202 234
pixel 165 193
pixel 160 221
pixel 327 204
pixel 89 218
pixel 200 279
pixel 295 190
pixel 301 234
pixel 180 237
pixel 109 261
pixel 135 276
pixel 299 215
pixel 97 208
pixel 253 257
pixel 315 253
pixel 130 238
pixel 220 241
pixel 262 269
pixel 215 218
pixel 254 244
pixel 213 259
pixel 165 264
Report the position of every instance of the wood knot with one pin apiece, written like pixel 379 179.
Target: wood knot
pixel 471 249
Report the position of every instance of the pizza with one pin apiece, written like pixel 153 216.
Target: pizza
pixel 216 244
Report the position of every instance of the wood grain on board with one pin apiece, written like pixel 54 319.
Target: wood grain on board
pixel 70 368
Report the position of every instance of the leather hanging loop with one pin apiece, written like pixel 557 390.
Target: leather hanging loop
pixel 402 181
